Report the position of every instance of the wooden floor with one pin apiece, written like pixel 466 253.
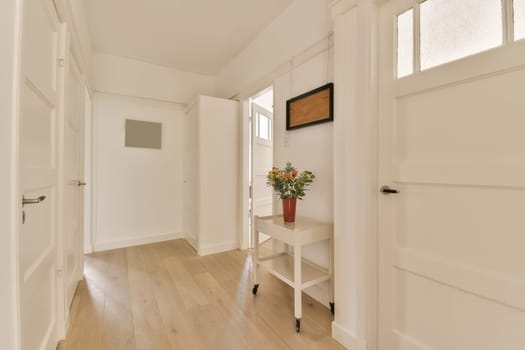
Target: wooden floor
pixel 164 296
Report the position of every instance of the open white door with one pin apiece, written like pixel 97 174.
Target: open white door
pixel 42 42
pixel 452 272
pixel 73 184
pixel 262 162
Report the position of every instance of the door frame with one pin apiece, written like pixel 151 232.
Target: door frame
pixel 71 57
pixel 11 24
pixel 246 138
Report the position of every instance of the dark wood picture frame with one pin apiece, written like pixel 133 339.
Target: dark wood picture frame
pixel 311 108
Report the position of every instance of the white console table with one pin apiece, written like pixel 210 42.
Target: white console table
pixel 294 270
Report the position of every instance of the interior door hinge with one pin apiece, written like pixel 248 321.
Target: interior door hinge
pixel 61 62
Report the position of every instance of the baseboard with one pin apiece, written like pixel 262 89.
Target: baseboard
pixel 130 242
pixel 344 336
pixel 217 248
pixel 191 241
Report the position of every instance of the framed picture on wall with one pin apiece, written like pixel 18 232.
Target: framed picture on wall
pixel 313 107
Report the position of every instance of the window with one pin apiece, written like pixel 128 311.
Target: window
pixel 519 19
pixel 405 43
pixel 451 30
pixel 446 30
pixel 263 127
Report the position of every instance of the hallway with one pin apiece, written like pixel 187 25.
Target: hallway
pixel 164 296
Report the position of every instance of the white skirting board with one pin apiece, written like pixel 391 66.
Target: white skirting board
pixel 217 248
pixel 130 242
pixel 347 338
pixel 191 241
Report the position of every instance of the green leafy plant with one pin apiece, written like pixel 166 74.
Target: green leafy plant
pixel 289 182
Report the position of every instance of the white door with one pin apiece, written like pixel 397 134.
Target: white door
pixel 452 268
pixel 262 161
pixel 42 39
pixel 73 211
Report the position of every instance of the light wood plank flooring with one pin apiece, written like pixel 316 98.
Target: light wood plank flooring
pixel 164 296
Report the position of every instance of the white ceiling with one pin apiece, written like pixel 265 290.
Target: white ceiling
pixel 198 36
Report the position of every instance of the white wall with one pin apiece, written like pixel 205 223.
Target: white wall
pixel 218 182
pixel 303 23
pixel 129 77
pixel 9 27
pixel 138 192
pixel 308 148
pixel 355 173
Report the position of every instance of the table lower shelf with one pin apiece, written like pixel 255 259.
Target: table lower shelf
pixel 282 267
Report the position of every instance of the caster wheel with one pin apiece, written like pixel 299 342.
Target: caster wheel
pixel 332 308
pixel 297 325
pixel 255 288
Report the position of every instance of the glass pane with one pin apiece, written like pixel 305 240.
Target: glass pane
pixel 519 19
pixel 264 130
pixel 405 43
pixel 452 29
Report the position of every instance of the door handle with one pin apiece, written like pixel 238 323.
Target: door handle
pixel 32 200
pixel 81 183
pixel 388 190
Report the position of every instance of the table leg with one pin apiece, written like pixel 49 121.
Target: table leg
pixel 255 260
pixel 297 287
pixel 331 272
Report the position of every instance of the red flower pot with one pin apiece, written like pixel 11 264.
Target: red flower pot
pixel 289 205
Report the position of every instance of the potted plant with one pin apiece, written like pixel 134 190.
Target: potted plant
pixel 290 185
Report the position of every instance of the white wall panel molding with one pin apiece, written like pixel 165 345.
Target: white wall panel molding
pixel 483 283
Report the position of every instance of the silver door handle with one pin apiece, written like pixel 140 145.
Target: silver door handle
pixel 32 200
pixel 81 183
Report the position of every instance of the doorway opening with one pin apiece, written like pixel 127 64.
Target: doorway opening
pixel 260 158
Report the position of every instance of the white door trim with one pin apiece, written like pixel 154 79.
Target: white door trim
pixel 11 24
pixel 355 173
pixel 245 191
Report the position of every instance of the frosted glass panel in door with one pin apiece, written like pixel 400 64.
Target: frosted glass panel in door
pixel 405 43
pixel 519 19
pixel 451 30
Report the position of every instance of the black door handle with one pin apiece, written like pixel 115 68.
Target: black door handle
pixel 388 190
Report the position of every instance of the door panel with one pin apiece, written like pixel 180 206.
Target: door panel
pixel 451 242
pixel 262 158
pixel 262 162
pixel 73 193
pixel 41 35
